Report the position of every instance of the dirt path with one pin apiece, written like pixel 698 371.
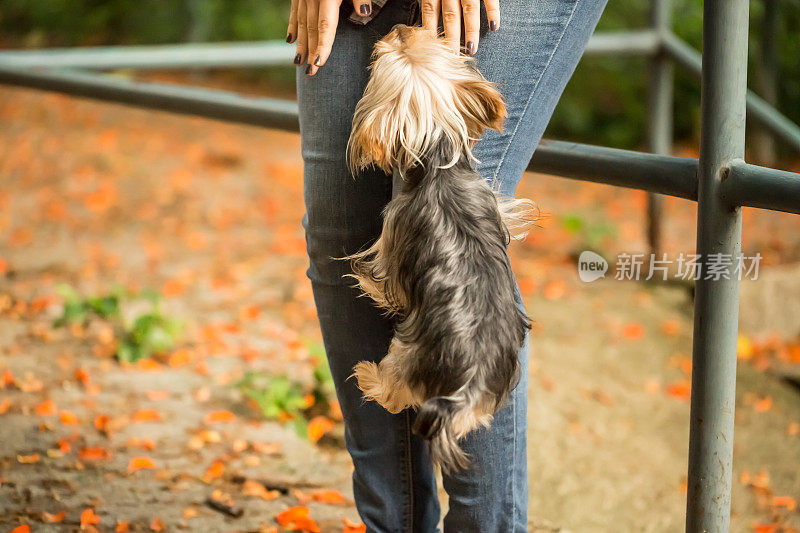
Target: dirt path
pixel 207 215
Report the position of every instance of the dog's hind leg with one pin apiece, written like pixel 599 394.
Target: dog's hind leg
pixel 385 382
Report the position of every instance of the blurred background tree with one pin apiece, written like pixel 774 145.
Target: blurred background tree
pixel 605 103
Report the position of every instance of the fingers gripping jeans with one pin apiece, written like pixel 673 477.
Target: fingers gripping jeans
pixel 532 57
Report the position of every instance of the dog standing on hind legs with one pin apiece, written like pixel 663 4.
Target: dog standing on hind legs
pixel 440 264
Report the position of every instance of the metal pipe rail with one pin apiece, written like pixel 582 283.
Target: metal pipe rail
pixel 673 176
pixel 277 53
pixel 720 181
pixel 763 113
pixel 220 105
pixel 195 55
pixel 246 54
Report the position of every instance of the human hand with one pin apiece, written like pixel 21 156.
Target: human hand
pixel 451 11
pixel 312 24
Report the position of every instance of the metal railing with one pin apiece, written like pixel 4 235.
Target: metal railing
pixel 720 181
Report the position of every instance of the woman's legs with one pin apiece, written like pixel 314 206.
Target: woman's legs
pixel 393 481
pixel 532 56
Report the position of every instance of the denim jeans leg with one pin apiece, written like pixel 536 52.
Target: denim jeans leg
pixel 531 57
pixel 393 481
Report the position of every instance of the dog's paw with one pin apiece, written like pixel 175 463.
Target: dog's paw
pixel 390 395
pixel 368 376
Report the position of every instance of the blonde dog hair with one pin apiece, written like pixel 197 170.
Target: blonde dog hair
pixel 423 94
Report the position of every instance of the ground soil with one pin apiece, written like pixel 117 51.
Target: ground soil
pixel 209 215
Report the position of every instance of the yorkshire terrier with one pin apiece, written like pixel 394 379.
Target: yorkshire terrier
pixel 440 264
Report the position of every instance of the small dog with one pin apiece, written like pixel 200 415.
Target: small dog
pixel 440 265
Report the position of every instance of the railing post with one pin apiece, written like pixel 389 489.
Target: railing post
pixel 767 80
pixel 659 127
pixel 719 230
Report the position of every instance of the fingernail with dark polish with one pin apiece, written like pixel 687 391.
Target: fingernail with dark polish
pixel 493 25
pixel 316 61
pixel 289 38
pixel 297 59
pixel 308 69
pixel 365 9
pixel 470 48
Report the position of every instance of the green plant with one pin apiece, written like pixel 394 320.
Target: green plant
pixel 591 235
pixel 142 336
pixel 78 309
pixel 150 333
pixel 277 397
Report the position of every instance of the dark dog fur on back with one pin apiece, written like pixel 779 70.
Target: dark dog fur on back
pixel 440 265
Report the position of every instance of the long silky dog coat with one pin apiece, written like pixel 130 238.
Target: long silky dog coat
pixel 440 265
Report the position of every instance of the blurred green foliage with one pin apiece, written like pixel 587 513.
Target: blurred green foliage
pixel 147 332
pixel 605 103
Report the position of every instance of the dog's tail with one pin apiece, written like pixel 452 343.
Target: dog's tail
pixel 434 422
pixel 519 215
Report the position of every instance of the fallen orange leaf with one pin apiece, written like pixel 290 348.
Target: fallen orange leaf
pixel 632 331
pixel 784 501
pixel 302 497
pixel 25 528
pixel 765 528
pixel 526 285
pixel 82 376
pixel 744 348
pixel 318 426
pixel 254 488
pixel 46 408
pixel 156 524
pixel 328 496
pixel 68 418
pixel 88 518
pixel 140 463
pixel 291 514
pixel 146 415
pixel 101 422
pixel 157 395
pixel 179 358
pixel 216 470
pixel 148 365
pixel 30 384
pixel 28 459
pixel 4 405
pixel 353 527
pixel 101 199
pixel 53 518
pixel 173 287
pixel 123 527
pixel 220 416
pixel 763 405
pixel 145 444
pixel 671 327
pixel 267 448
pixel 555 289
pixel 681 390
pixel 305 524
pixel 250 312
pixel 94 453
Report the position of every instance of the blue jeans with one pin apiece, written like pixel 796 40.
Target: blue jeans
pixel 531 56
